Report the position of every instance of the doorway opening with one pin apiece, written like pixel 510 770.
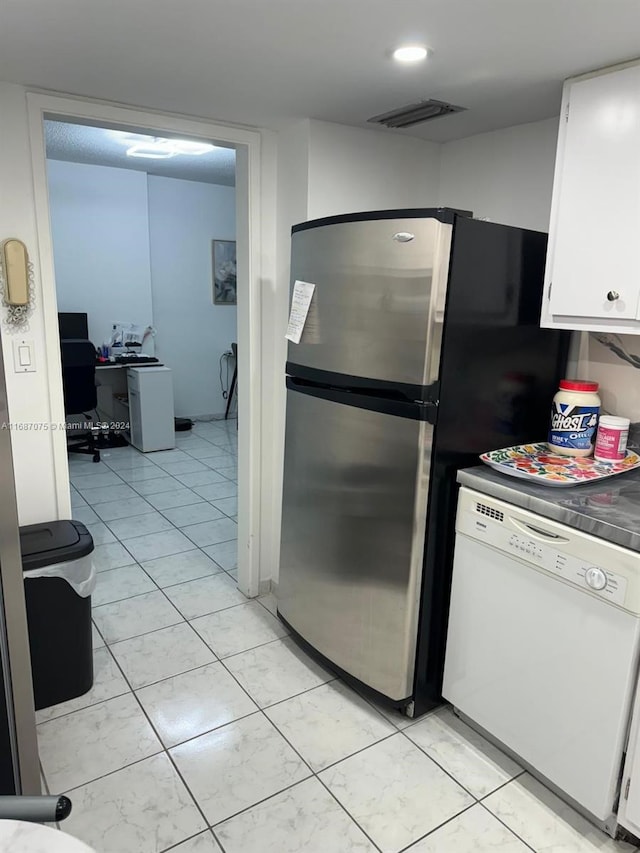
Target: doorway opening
pixel 144 245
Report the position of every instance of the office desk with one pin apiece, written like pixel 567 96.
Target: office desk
pixel 111 382
pixel 138 399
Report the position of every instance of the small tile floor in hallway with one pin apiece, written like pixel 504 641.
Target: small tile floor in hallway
pixel 209 730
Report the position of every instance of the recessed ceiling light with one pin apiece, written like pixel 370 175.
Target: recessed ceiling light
pixel 410 53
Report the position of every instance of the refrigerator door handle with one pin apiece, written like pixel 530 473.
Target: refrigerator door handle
pixel 386 405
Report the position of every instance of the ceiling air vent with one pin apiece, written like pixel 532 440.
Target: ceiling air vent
pixel 415 113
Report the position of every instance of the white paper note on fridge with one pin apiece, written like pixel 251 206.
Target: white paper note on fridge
pixel 300 302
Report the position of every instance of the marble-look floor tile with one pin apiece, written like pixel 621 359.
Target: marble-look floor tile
pixel 161 654
pixel 400 721
pixel 217 490
pixel 329 723
pixel 144 808
pixel 83 466
pixel 164 457
pixel 395 792
pixel 233 573
pixel 98 642
pixel 120 462
pixel 270 602
pixel 473 831
pixel 544 822
pixel 203 843
pixel 303 818
pixel 238 628
pixel 178 568
pixel 212 532
pixel 139 525
pixel 107 683
pixel 296 671
pixel 229 506
pixel 156 486
pixel 205 595
pixel 80 747
pixel 108 494
pixel 118 584
pixel 155 545
pixel 252 762
pixel 134 616
pixel 194 702
pixel 139 474
pixel 476 764
pixel 123 509
pixel 210 453
pixel 182 516
pixel 176 497
pixel 113 555
pixel 200 478
pixel 190 467
pixel 95 480
pixel 225 554
pixel 84 514
pixel 228 472
pixel 99 531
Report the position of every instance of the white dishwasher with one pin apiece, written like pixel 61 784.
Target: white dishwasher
pixel 543 645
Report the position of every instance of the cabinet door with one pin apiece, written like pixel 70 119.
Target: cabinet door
pixel 593 266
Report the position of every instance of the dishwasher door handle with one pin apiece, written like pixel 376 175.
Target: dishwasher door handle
pixel 538 532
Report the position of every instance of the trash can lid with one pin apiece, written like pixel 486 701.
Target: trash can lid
pixel 53 542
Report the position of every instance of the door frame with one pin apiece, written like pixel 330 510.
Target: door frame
pixel 249 221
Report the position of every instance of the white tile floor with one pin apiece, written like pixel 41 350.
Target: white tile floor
pixel 209 731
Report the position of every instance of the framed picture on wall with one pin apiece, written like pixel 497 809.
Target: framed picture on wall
pixel 224 272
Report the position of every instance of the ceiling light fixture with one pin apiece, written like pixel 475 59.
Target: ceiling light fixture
pixel 410 53
pixel 162 149
pixel 188 146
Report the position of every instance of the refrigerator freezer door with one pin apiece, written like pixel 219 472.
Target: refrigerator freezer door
pixel 377 298
pixel 354 510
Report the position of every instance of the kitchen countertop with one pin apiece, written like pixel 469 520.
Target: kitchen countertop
pixel 609 510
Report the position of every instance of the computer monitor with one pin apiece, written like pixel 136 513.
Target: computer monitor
pixel 73 325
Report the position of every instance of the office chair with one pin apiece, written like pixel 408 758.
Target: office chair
pixel 234 349
pixel 80 394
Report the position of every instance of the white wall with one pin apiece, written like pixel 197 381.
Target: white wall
pixel 505 176
pixel 100 231
pixel 29 394
pixel 192 332
pixel 353 169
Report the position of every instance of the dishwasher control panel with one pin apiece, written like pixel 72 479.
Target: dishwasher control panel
pixel 577 571
pixel 548 545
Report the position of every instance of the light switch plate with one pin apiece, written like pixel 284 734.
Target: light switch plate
pixel 23 356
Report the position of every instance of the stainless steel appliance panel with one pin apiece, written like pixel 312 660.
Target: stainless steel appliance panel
pixel 354 511
pixel 376 297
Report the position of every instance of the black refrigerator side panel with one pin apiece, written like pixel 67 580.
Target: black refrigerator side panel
pixel 498 373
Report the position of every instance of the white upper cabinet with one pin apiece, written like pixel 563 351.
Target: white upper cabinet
pixel 592 278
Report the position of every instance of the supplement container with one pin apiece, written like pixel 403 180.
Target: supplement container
pixel 611 440
pixel 574 417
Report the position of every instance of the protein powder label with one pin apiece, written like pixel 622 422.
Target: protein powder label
pixel 573 426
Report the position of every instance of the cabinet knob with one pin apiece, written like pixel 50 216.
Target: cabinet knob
pixel 613 295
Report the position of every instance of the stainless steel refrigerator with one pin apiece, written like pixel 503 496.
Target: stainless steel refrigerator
pixel 19 768
pixel 421 349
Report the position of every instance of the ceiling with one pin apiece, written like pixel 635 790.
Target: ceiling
pixel 80 143
pixel 267 62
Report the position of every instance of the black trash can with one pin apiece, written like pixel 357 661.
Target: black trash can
pixel 58 581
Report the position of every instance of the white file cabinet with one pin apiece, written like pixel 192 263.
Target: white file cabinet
pixel 151 415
